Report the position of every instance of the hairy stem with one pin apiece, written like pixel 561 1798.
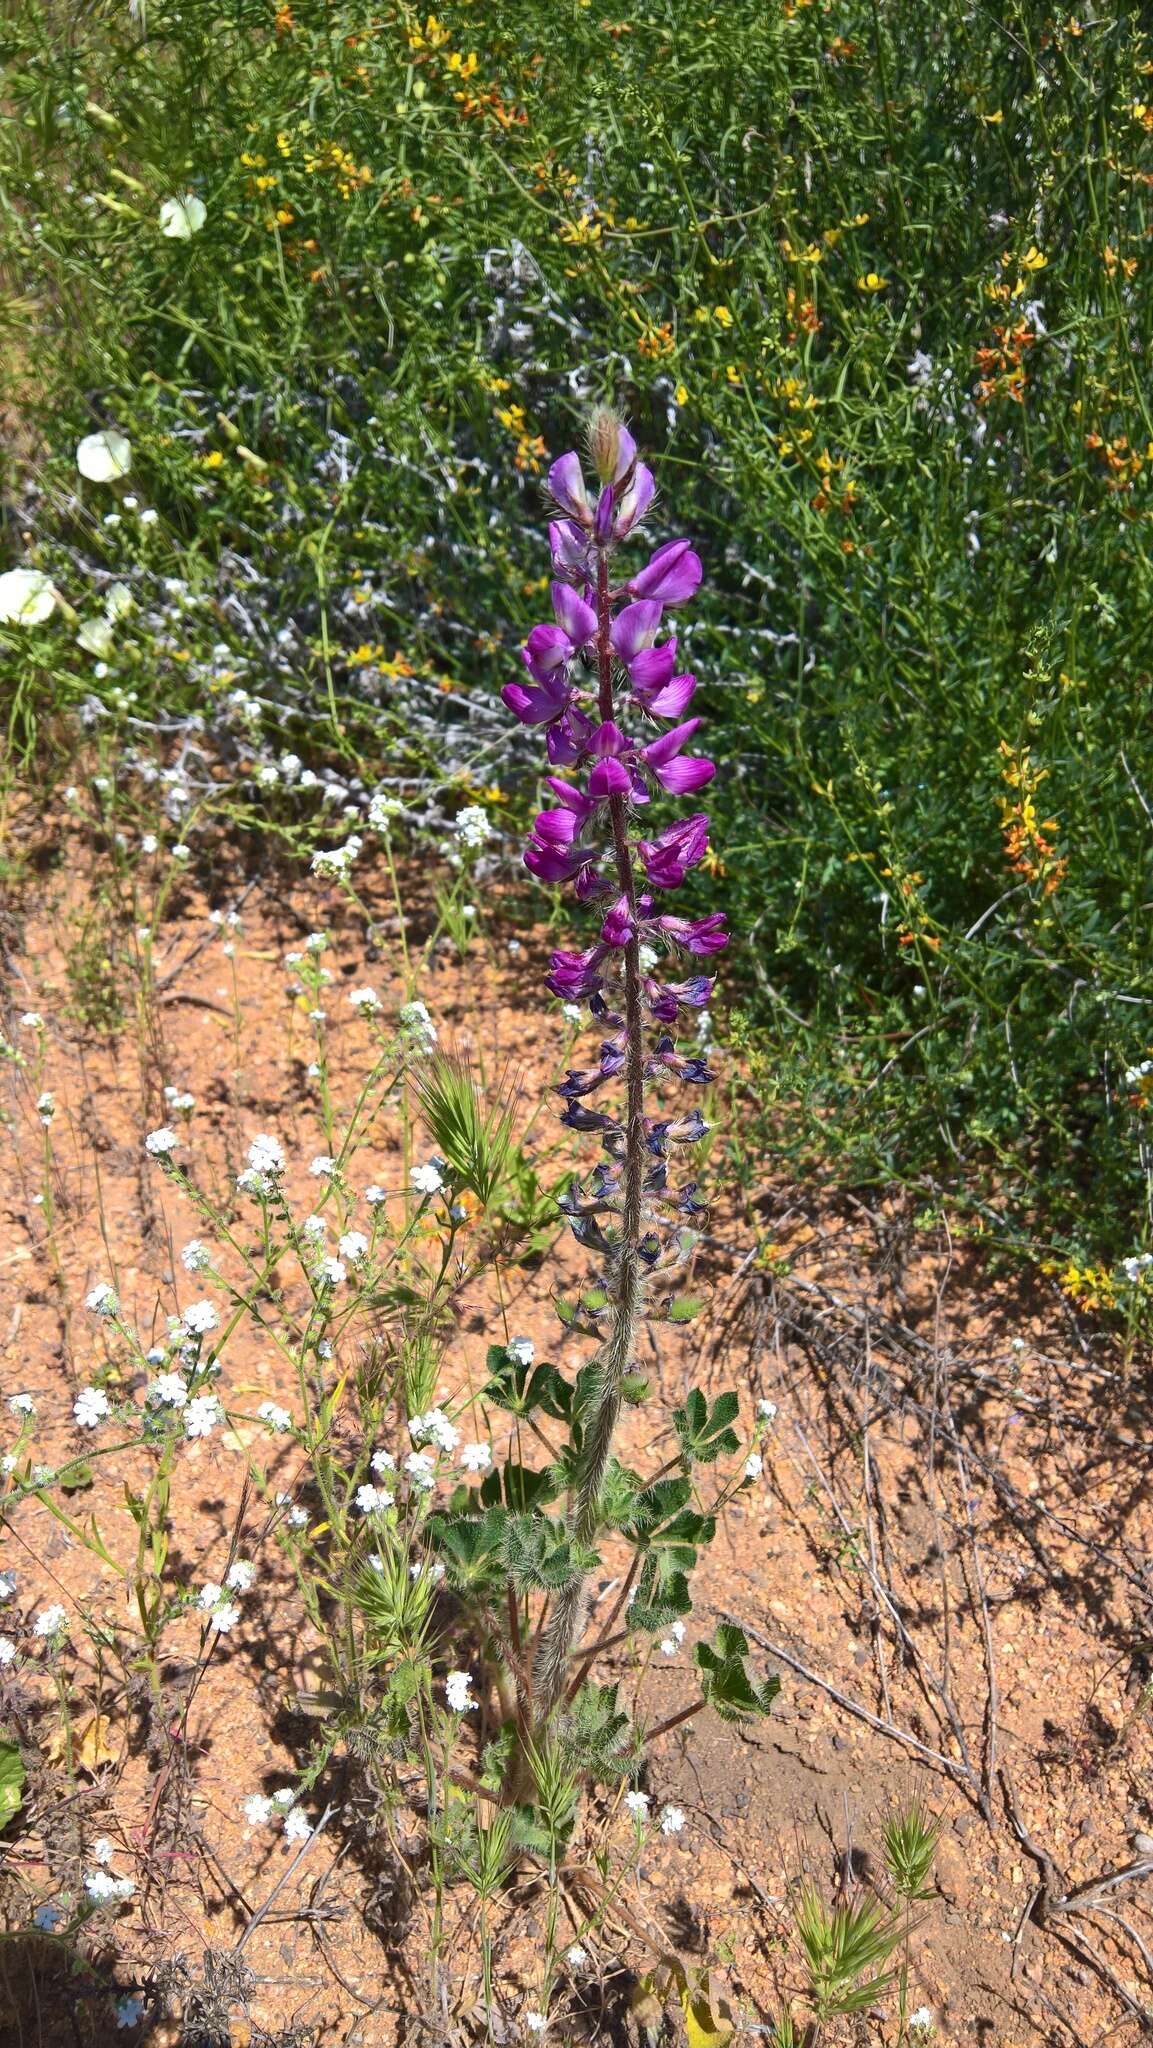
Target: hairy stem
pixel 566 1622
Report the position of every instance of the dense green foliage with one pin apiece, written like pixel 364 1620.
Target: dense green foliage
pixel 872 284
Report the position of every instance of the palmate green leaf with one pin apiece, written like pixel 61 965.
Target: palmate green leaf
pixel 704 1431
pixel 519 1487
pixel 470 1547
pixel 668 1533
pixel 595 1737
pixel 725 1681
pixel 519 1388
pixel 540 1555
pixel 12 1778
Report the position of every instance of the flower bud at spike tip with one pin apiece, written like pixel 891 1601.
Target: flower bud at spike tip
pixel 604 442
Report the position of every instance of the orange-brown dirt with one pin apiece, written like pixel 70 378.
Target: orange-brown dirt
pixel 946 1558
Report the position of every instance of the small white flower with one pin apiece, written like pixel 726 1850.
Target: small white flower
pixel 149 517
pixel 297 1826
pixel 375 1195
pixel 672 1820
pixel 754 1465
pixel 922 2019
pixel 103 1850
pixel 105 456
pixel 649 958
pixel 522 1349
pixel 257 1809
pixel 574 1015
pixel 353 1246
pixel 161 1143
pixel 180 219
pixel 32 1020
pixel 277 1418
pixel 371 1499
pixel 26 597
pixel 266 1155
pixel 331 1273
pixel 195 1257
pixel 767 1410
pixel 674 1639
pixel 283 1799
pixel 428 1180
pixel 335 861
pixel 167 1390
pixel 180 851
pixel 224 1617
pixel 475 1457
pixel 129 2010
pixel 365 1000
pixel 323 1166
pixel 473 826
pixel 202 1415
pixel 7 1586
pixel 90 1407
pixel 52 1621
pixel 240 1575
pixel 22 1404
pixel 536 2022
pixel 576 1957
pixel 638 1804
pixel 200 1318
pixel 46 1107
pixel 209 1594
pixel 96 637
pixel 383 1461
pixel 458 1692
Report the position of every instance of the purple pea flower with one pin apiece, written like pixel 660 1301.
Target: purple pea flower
pixel 597 672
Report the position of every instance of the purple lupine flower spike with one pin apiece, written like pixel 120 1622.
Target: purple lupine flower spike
pixel 605 685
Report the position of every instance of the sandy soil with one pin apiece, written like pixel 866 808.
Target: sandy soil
pixel 946 1558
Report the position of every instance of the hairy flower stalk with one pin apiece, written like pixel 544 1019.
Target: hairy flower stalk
pixel 604 648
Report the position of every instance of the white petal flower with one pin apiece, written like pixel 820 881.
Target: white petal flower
pixel 104 456
pixel 161 1143
pixel 672 1820
pixel 52 1621
pixel 638 1804
pixel 297 1826
pixel 182 218
pixel 90 1407
pixel 428 1180
pixel 257 1809
pixel 95 637
pixel 26 597
pixel 475 1457
pixel 458 1692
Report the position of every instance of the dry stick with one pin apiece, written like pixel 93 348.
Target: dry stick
pixel 282 1880
pixel 870 1525
pixel 933 1756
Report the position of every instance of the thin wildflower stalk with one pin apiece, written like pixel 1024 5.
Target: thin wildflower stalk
pixel 601 661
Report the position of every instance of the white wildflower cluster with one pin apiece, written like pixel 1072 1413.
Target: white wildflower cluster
pixel 372 1500
pixel 335 861
pixel 475 1457
pixel 382 810
pixel 51 1623
pixel 675 1637
pixel 46 1107
pixel 417 1026
pixel 195 1257
pixel 21 1405
pixel 1135 1075
pixel 365 1001
pixel 767 1410
pixel 353 1246
pixel 278 1419
pixel 458 1692
pixel 262 1810
pixel 521 1349
pixel 1134 1268
pixel 162 1143
pixel 754 1465
pixel 323 1166
pixel 436 1428
pixel 200 1318
pixel 167 1390
pixel 265 1165
pixel 103 1300
pixel 179 1099
pixel 637 1804
pixel 212 1599
pixel 421 1471
pixel 672 1820
pixel 202 1415
pixel 473 827
pixel 106 1889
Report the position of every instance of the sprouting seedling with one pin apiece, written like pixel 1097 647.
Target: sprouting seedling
pixel 846 1950
pixel 910 1839
pixel 473 1133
